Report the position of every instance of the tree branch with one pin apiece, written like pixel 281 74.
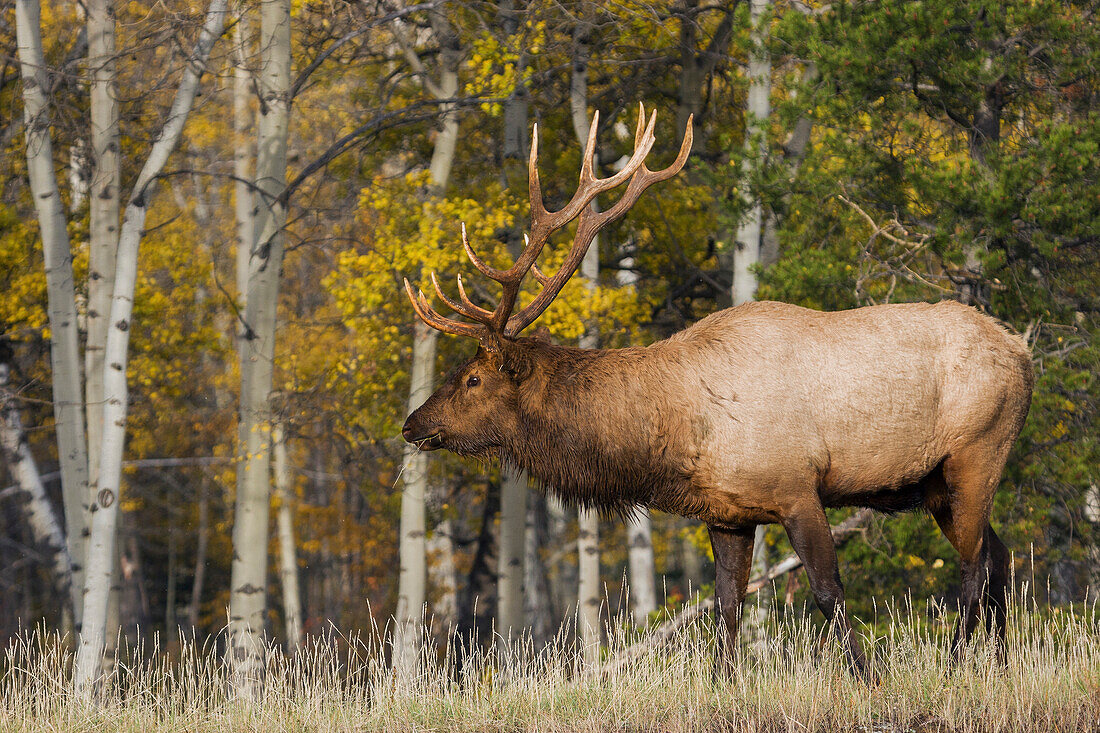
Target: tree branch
pixel 305 73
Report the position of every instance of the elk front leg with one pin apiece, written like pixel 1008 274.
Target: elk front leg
pixel 811 537
pixel 732 560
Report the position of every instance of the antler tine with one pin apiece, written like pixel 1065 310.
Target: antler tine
pixel 534 185
pixel 681 157
pixel 466 308
pixel 509 280
pixel 590 186
pixel 643 128
pixel 542 279
pixel 591 222
pixel 481 312
pixel 438 322
pixel 587 174
pixel 539 276
pixel 544 222
pixel 500 321
pixel 643 179
pixel 486 270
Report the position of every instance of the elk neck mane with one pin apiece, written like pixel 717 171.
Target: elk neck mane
pixel 589 428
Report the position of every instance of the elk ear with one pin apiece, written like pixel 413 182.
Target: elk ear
pixel 516 363
pixel 542 335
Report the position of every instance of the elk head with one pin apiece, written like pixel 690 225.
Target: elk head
pixel 475 411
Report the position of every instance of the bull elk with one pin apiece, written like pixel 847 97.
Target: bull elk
pixel 762 413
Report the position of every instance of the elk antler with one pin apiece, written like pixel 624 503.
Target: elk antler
pixel 490 325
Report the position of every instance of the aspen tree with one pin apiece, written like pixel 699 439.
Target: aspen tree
pixel 414 542
pixel 248 582
pixel 56 250
pixel 104 511
pixel 750 230
pixel 511 573
pixel 588 527
pixel 288 556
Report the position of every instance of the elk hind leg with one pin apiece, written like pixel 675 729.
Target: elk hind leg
pixel 963 516
pixel 997 559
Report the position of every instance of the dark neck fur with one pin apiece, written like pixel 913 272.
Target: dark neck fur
pixel 586 438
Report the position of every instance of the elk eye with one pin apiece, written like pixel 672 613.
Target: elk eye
pixel 473 381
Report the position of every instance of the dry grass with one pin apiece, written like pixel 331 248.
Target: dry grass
pixel 793 681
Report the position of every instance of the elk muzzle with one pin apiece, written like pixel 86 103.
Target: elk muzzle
pixel 424 437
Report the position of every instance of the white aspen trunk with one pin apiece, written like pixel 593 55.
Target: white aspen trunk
pixel 40 516
pixel 443 154
pixel 413 573
pixel 104 512
pixel 518 544
pixel 288 555
pixel 510 572
pixel 446 87
pixel 103 213
pixel 588 585
pixel 639 531
pixel 690 560
pixel 201 543
pixel 248 584
pixel 103 209
pixel 78 179
pixel 64 339
pixel 78 151
pixel 536 597
pixel 414 544
pixel 439 544
pixel 439 547
pixel 746 252
pixel 1092 513
pixel 244 198
pixel 588 535
pixel 589 597
pixel 643 583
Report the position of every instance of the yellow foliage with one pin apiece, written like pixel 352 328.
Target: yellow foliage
pixel 23 295
pixel 408 232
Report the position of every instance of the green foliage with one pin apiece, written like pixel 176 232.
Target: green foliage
pixel 902 127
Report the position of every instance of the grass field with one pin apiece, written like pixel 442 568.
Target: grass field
pixel 793 680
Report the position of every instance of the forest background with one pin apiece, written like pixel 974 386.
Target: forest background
pixel 845 154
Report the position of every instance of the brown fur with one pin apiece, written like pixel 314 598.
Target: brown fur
pixel 764 413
